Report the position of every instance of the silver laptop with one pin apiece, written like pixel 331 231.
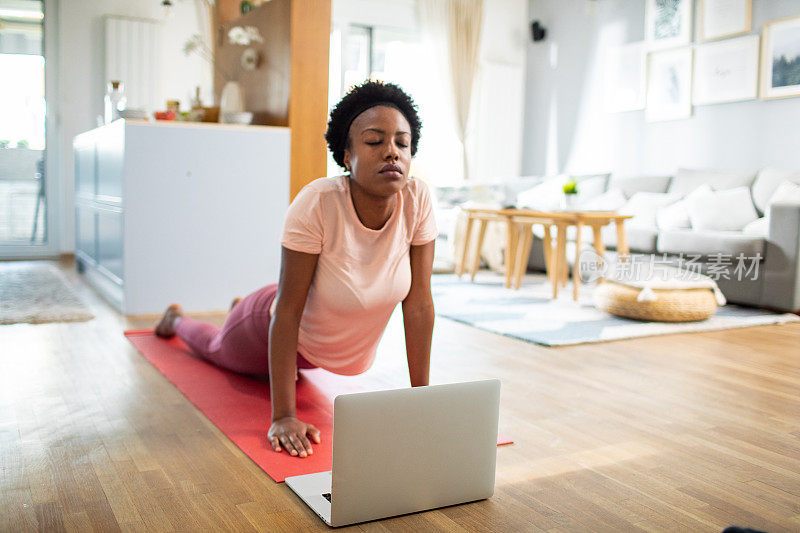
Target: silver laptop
pixel 402 451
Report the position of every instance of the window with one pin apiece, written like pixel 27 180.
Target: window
pixel 22 122
pixel 400 56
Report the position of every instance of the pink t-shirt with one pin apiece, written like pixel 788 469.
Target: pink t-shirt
pixel 362 274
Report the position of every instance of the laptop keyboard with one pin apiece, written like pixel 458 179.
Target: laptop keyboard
pixel 327 496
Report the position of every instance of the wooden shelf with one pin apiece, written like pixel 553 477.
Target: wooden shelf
pixel 290 85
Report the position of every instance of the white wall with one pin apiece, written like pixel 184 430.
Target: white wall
pixel 81 79
pixel 568 130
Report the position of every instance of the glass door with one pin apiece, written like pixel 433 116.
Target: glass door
pixel 24 227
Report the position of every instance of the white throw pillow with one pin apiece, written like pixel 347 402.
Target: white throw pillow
pixel 543 197
pixel 758 228
pixel 608 201
pixel 644 206
pixel 686 180
pixel 786 193
pixel 767 183
pixel 729 210
pixel 590 186
pixel 675 216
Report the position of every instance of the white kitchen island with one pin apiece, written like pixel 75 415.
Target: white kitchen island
pixel 179 212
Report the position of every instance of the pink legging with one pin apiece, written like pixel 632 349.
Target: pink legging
pixel 242 345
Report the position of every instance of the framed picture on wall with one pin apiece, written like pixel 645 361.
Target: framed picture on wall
pixel 669 85
pixel 726 71
pixel 717 19
pixel 668 23
pixel 780 58
pixel 625 77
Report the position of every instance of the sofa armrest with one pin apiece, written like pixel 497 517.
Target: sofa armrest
pixel 781 266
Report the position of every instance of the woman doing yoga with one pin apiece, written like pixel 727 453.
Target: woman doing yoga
pixel 353 247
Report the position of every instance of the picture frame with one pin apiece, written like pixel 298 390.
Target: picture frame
pixel 726 71
pixel 625 77
pixel 668 23
pixel 720 19
pixel 780 58
pixel 669 85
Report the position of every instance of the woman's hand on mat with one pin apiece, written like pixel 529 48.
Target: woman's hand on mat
pixel 293 435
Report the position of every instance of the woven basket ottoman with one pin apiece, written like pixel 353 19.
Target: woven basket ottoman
pixel 675 298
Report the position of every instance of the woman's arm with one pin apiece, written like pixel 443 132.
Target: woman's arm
pixel 297 271
pixel 418 314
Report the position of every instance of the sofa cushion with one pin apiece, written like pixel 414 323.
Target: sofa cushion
pixel 511 188
pixel 640 238
pixel 676 216
pixel 757 228
pixel 729 210
pixel 591 185
pixel 630 186
pixel 687 180
pixel 608 201
pixel 644 206
pixel 786 193
pixel 545 196
pixel 766 183
pixel 708 243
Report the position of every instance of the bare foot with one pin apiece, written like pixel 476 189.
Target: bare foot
pixel 166 327
pixel 235 302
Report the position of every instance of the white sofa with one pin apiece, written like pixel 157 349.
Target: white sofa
pixel 702 219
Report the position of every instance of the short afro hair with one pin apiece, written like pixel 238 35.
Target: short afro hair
pixel 359 99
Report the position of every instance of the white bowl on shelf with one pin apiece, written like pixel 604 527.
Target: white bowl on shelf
pixel 236 117
pixel 133 114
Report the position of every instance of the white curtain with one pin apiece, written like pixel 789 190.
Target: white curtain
pixel 453 29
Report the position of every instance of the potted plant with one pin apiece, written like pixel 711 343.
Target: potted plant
pixel 570 193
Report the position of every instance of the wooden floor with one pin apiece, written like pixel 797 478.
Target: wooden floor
pixel 691 432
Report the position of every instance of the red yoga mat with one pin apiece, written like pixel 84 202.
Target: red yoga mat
pixel 239 406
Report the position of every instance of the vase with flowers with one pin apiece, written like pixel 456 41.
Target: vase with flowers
pixel 232 95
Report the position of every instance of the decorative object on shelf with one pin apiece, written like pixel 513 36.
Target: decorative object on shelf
pixel 250 59
pixel 133 114
pixel 244 35
pixel 625 77
pixel 232 95
pixel 197 112
pixel 726 71
pixel 246 7
pixel 718 19
pixel 211 114
pixel 570 194
pixel 231 99
pixel 669 83
pixel 115 100
pixel 165 115
pixel 780 59
pixel 236 117
pixel 668 23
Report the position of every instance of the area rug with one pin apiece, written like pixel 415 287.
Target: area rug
pixel 35 293
pixel 530 314
pixel 240 407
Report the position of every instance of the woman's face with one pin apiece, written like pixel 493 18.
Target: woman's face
pixel 379 152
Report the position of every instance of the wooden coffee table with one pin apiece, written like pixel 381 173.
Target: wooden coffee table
pixel 519 224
